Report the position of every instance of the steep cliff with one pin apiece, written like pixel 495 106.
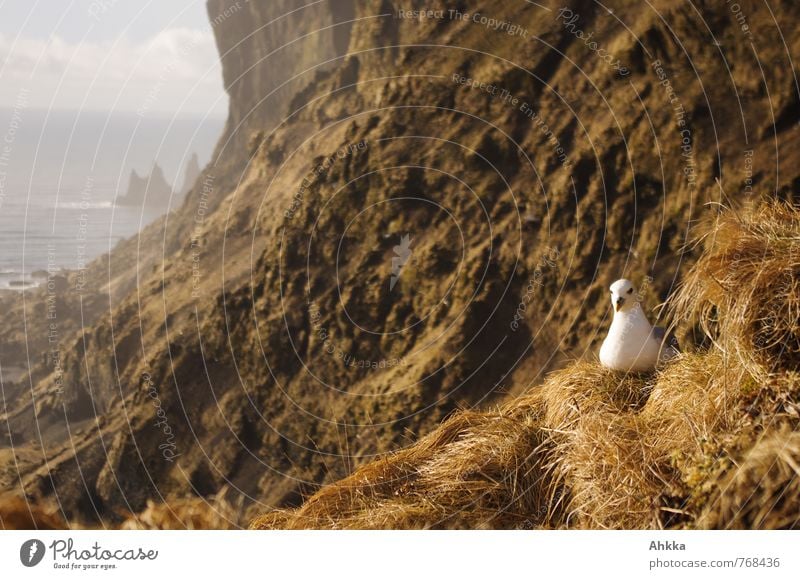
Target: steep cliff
pixel 409 212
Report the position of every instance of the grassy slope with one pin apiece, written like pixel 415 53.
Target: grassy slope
pixel 629 211
pixel 709 441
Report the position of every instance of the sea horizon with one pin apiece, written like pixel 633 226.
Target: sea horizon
pixel 63 170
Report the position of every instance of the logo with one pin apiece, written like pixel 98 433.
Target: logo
pixel 31 553
pixel 402 253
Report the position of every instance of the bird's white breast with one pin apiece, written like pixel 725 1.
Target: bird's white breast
pixel 630 345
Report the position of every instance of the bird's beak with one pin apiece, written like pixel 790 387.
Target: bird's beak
pixel 618 304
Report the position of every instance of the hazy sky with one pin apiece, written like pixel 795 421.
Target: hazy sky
pixel 152 57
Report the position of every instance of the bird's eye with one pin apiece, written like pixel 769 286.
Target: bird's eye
pixel 630 291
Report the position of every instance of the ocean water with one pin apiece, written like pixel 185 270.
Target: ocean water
pixel 61 171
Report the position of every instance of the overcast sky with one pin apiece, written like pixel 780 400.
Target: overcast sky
pixel 151 57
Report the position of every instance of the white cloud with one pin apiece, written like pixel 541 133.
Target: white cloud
pixel 155 74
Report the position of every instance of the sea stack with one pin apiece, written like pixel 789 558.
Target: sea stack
pixel 190 175
pixel 151 192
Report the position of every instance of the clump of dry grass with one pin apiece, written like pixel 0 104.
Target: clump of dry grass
pixel 621 442
pixel 477 470
pixel 591 448
pixel 763 491
pixel 593 421
pixel 693 399
pixel 190 514
pixel 744 291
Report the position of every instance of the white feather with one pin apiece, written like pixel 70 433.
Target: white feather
pixel 632 344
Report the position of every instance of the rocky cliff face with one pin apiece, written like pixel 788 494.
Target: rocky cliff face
pixel 271 51
pixel 408 213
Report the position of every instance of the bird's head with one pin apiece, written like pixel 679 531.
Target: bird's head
pixel 623 295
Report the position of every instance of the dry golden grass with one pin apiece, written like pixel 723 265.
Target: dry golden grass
pixel 593 418
pixel 708 441
pixel 178 514
pixel 189 514
pixel 744 292
pixel 16 513
pixel 476 470
pixel 763 491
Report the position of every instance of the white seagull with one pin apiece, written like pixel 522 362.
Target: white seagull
pixel 632 344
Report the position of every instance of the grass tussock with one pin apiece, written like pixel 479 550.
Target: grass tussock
pixel 762 492
pixel 744 292
pixel 709 441
pixel 476 470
